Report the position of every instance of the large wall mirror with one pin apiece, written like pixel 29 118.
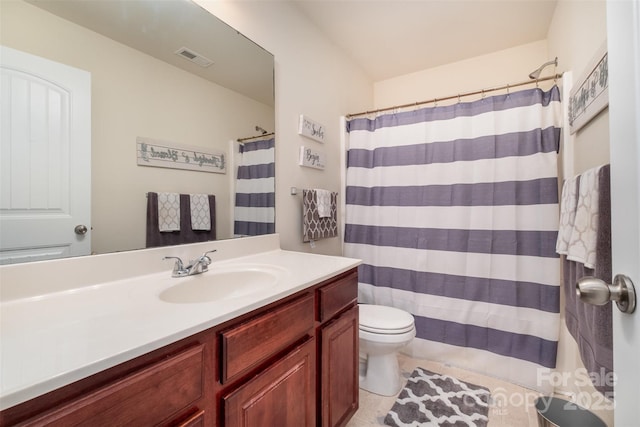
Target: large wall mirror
pixel 140 87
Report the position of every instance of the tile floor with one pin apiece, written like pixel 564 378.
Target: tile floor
pixel 512 405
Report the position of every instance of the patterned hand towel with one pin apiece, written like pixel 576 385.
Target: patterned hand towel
pixel 323 202
pixel 582 245
pixel 168 212
pixel 313 226
pixel 200 212
pixel 567 214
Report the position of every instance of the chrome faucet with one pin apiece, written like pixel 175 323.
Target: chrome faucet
pixel 196 266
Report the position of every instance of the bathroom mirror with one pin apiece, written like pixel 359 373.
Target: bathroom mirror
pixel 150 79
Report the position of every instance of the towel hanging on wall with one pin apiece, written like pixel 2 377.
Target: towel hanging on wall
pixel 185 234
pixel 591 325
pixel 200 212
pixel 168 212
pixel 567 214
pixel 582 246
pixel 579 218
pixel 323 201
pixel 315 227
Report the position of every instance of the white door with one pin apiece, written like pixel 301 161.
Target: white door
pixel 623 35
pixel 45 158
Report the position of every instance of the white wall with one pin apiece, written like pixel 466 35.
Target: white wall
pixel 577 31
pixel 130 98
pixel 313 78
pixel 481 72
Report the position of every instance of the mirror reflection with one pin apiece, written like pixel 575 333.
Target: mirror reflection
pixel 168 74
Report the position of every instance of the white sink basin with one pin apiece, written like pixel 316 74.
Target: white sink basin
pixel 222 283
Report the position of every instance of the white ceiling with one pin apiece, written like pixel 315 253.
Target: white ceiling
pixel 392 38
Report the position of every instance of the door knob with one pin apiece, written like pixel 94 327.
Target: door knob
pixel 81 229
pixel 598 292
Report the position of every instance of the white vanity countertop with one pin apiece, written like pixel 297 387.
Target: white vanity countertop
pixel 51 340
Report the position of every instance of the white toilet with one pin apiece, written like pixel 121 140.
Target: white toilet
pixel 383 331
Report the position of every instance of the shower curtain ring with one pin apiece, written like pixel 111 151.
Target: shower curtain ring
pixel 458 98
pixel 507 90
pixel 435 102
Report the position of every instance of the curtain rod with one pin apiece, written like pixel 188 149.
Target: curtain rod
pixel 254 137
pixel 458 96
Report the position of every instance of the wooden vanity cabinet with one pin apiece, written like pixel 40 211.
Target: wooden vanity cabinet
pixel 165 387
pixel 292 363
pixel 338 350
pixel 282 395
pixel 268 368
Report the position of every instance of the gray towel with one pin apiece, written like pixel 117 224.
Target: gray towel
pixel 591 325
pixel 315 227
pixel 186 234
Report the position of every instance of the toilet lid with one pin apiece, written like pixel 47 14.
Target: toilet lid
pixel 384 320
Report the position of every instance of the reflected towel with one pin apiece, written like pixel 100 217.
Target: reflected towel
pixel 200 213
pixel 186 234
pixel 583 241
pixel 323 202
pixel 168 212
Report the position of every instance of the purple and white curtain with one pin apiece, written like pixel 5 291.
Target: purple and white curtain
pixel 454 212
pixel 255 189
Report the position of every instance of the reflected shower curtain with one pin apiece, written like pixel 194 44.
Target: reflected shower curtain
pixel 255 189
pixel 454 212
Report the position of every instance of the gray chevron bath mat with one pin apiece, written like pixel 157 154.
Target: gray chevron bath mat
pixel 431 399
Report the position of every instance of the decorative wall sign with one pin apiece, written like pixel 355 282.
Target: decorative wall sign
pixel 591 93
pixel 311 158
pixel 162 154
pixel 311 129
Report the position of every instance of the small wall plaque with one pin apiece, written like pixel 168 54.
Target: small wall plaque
pixel 591 93
pixel 311 158
pixel 162 154
pixel 311 129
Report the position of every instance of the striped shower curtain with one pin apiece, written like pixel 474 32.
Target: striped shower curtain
pixel 454 212
pixel 255 189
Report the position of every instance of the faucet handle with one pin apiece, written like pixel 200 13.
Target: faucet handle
pixel 205 257
pixel 209 252
pixel 178 260
pixel 178 267
pixel 205 260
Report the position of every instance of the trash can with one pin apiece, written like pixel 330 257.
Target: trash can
pixel 555 412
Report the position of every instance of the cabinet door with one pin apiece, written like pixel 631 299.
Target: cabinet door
pixel 339 369
pixel 283 395
pixel 147 397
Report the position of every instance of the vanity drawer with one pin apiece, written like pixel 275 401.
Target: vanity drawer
pixel 251 342
pixel 337 296
pixel 146 397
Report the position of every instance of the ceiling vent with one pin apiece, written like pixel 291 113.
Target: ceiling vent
pixel 192 56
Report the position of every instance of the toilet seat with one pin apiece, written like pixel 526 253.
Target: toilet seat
pixel 384 320
pixel 386 331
